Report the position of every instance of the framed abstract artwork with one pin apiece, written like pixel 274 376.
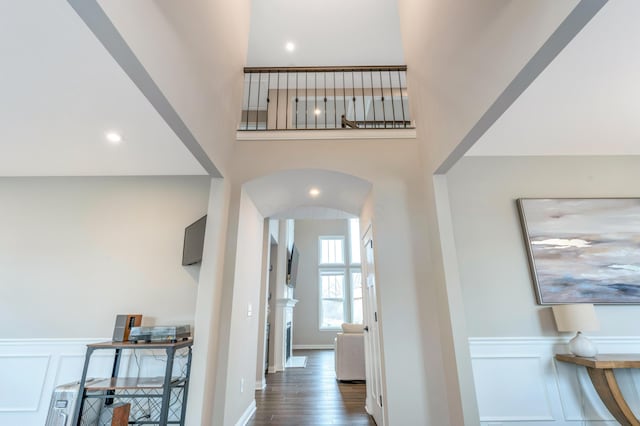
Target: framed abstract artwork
pixel 583 250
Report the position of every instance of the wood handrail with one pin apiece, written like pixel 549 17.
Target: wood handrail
pixel 326 69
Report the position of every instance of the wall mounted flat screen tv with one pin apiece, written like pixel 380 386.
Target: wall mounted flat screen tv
pixel 194 242
pixel 292 266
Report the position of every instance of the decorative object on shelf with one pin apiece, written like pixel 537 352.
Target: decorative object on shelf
pixel 160 333
pixel 578 318
pixel 583 250
pixel 124 324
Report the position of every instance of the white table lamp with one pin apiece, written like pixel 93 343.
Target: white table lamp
pixel 578 318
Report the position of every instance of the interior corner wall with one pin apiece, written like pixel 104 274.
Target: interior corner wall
pixel 306 314
pixel 77 251
pixel 498 293
pixel 240 317
pixel 461 55
pixel 444 277
pixel 208 307
pixel 404 375
pixel 448 94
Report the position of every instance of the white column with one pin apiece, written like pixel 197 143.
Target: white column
pixel 285 306
pixel 284 302
pixel 280 292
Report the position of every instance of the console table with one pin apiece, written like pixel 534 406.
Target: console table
pixel 600 369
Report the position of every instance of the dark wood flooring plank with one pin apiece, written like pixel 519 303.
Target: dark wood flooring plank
pixel 310 396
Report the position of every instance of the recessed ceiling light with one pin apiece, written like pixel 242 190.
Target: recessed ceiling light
pixel 314 192
pixel 113 137
pixel 317 111
pixel 290 46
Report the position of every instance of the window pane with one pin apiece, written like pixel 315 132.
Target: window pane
pixel 356 294
pixel 354 240
pixel 331 251
pixel 357 311
pixel 339 251
pixel 332 285
pixel 332 314
pixel 356 284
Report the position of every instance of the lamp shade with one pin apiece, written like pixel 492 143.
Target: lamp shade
pixel 579 317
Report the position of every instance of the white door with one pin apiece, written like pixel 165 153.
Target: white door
pixel 374 401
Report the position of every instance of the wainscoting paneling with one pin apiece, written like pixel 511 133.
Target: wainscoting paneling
pixel 22 391
pixel 32 368
pixel 504 399
pixel 518 381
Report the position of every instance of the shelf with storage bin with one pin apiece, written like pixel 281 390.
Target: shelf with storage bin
pixel 154 400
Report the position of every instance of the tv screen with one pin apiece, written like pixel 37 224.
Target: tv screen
pixel 194 242
pixel 292 267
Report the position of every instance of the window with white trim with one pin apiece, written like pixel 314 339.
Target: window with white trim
pixel 332 291
pixel 340 279
pixel 331 250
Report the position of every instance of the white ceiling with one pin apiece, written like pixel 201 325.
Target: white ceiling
pixel 328 32
pixel 61 91
pixel 586 102
pixel 286 194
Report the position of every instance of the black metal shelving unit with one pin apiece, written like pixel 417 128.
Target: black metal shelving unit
pixel 154 400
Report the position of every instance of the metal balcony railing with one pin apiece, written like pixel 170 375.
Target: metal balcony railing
pixel 294 98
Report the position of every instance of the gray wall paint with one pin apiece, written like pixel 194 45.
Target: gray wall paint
pixel 497 289
pixel 306 313
pixel 74 252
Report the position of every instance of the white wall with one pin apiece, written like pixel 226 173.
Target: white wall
pixel 238 341
pixel 493 262
pixel 461 55
pixel 499 299
pixel 413 389
pixel 208 306
pixel 306 315
pixel 75 252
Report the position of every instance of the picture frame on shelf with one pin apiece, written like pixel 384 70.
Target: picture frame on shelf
pixel 583 250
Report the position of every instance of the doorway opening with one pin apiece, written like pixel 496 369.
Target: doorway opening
pixel 317 216
pixel 321 359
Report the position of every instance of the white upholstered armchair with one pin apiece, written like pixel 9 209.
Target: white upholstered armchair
pixel 349 353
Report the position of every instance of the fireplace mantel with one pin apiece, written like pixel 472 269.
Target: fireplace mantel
pixel 286 302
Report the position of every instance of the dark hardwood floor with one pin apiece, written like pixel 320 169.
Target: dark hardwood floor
pixel 310 396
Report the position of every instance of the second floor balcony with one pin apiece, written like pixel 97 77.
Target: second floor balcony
pixel 318 98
